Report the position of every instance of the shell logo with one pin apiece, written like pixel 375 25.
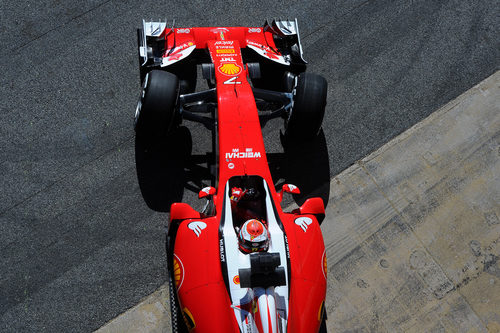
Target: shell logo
pixel 188 319
pixel 236 279
pixel 178 272
pixel 230 69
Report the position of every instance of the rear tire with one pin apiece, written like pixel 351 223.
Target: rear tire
pixel 304 120
pixel 156 113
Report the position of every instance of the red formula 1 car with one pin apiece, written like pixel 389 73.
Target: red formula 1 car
pixel 242 264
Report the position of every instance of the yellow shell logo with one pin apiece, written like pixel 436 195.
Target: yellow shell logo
pixel 188 319
pixel 230 69
pixel 178 272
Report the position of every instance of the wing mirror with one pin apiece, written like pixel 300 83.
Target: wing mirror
pixel 206 192
pixel 183 211
pixel 313 206
pixel 288 188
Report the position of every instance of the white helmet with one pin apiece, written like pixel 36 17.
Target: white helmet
pixel 253 237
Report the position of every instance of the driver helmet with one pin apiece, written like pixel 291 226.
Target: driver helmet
pixel 253 237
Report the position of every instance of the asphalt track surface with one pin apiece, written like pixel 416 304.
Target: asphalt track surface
pixel 78 245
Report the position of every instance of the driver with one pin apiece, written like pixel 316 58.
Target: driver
pixel 253 237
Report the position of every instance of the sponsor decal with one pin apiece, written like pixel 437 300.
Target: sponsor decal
pixel 221 250
pixel 176 56
pixel 286 247
pixel 230 166
pixel 271 55
pixel 303 222
pixel 255 44
pixel 183 31
pixel 197 227
pixel 188 319
pixel 228 60
pixel 230 68
pixel 206 190
pixel 236 279
pixel 325 265
pixel 177 53
pixel 216 30
pixel 178 272
pixel 248 153
pixel 183 46
pixel 232 80
pixel 220 31
pixel 266 51
pixel 225 51
pixel 224 42
pixel 250 30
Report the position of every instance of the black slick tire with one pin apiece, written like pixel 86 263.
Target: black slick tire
pixel 156 113
pixel 304 120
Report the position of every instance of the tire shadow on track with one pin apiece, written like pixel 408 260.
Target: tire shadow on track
pixel 306 165
pixel 160 168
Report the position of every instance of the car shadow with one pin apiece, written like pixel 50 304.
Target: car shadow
pixel 160 168
pixel 166 168
pixel 306 165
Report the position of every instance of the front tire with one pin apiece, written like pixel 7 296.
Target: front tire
pixel 304 120
pixel 156 114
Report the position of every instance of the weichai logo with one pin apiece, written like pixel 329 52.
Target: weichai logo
pixel 230 69
pixel 248 153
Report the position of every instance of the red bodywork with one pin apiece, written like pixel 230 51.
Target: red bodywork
pixel 199 251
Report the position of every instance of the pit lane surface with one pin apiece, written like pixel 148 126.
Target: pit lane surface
pixel 78 244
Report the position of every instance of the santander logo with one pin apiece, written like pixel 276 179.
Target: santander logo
pixel 197 227
pixel 303 222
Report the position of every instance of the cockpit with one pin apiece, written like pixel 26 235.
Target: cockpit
pixel 248 199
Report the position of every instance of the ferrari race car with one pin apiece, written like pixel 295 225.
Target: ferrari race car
pixel 242 264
